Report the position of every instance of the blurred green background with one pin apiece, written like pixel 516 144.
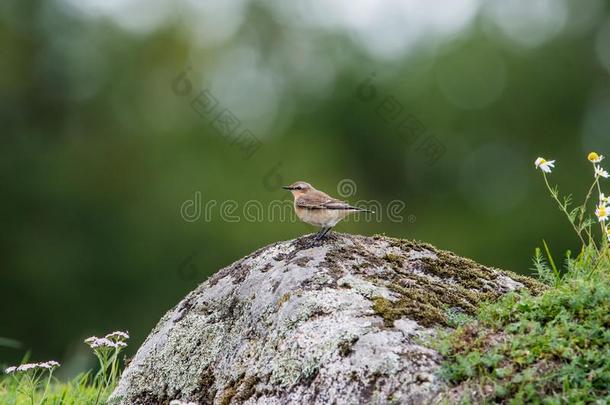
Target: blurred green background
pixel 107 151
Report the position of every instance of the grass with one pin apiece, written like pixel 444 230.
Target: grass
pixel 553 348
pixel 34 384
pixel 79 391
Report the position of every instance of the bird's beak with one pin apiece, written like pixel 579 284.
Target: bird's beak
pixel 287 187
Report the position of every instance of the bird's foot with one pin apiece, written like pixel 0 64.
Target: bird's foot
pixel 318 239
pixel 313 243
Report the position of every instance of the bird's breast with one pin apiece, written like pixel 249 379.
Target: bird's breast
pixel 320 217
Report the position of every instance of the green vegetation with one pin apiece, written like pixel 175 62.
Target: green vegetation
pixel 79 391
pixel 552 348
pixel 33 383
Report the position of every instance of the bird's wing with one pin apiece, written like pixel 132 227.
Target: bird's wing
pixel 316 200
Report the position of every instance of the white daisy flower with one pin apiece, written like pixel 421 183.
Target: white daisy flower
pixel 602 213
pixel 595 158
pixel 544 165
pixel 599 172
pixel 603 200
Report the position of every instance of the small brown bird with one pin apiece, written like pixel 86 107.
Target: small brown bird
pixel 318 208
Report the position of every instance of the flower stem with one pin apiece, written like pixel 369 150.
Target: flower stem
pixel 563 208
pixel 46 387
pixel 99 391
pixel 602 223
pixel 583 208
pixel 33 389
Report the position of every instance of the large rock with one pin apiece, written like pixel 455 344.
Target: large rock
pixel 346 322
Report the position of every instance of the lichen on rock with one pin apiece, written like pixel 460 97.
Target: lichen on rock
pixel 344 322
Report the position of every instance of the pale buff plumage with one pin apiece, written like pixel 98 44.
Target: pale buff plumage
pixel 318 208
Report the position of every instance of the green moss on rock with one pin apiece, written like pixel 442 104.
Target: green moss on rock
pixel 551 348
pixel 427 282
pixel 283 299
pixel 393 259
pixel 227 395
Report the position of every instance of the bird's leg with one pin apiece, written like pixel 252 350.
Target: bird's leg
pixel 325 231
pixel 320 234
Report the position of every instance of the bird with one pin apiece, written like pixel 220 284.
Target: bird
pixel 317 208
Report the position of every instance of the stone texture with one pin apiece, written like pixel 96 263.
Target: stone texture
pixel 346 322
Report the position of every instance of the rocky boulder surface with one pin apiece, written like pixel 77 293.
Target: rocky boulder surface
pixel 349 321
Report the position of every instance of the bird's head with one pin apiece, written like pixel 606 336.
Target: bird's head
pixel 298 188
